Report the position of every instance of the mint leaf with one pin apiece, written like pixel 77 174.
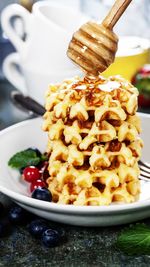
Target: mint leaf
pixel 23 159
pixel 135 240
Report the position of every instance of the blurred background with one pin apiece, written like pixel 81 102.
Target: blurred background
pixel 135 22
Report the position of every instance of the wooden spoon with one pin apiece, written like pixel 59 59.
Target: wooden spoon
pixel 93 46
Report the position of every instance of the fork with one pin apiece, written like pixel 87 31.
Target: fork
pixel 144 171
pixel 27 103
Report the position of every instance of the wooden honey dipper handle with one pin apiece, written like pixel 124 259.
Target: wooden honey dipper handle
pixel 115 13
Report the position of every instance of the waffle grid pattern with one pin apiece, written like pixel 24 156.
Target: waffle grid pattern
pixel 93 142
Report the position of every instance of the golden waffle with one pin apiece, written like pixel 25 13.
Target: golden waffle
pixel 82 187
pixel 93 141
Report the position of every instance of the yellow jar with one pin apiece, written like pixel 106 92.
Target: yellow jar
pixel 133 53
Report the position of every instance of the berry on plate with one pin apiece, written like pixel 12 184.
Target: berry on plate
pixel 31 174
pixel 36 184
pixel 42 194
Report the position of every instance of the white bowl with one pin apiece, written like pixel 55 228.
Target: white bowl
pixel 29 134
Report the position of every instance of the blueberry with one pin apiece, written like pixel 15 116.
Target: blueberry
pixel 42 194
pixel 37 227
pixel 50 238
pixel 17 215
pixel 36 150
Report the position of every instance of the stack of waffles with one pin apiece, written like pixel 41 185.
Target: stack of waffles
pixel 93 142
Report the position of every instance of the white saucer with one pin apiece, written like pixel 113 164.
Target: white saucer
pixel 29 134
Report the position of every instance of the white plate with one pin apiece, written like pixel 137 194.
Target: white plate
pixel 29 134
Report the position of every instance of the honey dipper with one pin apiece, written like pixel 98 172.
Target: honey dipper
pixel 93 46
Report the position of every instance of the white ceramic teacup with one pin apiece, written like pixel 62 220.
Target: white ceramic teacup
pixel 47 30
pixel 30 81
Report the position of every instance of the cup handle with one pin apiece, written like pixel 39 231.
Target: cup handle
pixel 9 14
pixel 11 69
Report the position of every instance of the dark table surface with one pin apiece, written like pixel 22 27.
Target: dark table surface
pixel 81 246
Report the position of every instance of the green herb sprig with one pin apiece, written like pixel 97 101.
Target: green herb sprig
pixel 135 240
pixel 24 158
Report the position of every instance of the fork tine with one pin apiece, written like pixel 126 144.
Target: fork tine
pixel 145 174
pixel 144 178
pixel 145 169
pixel 145 164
